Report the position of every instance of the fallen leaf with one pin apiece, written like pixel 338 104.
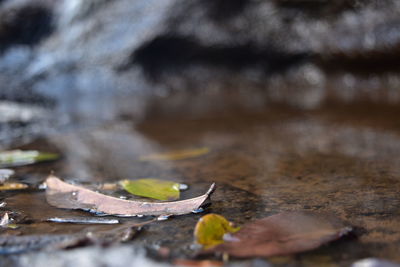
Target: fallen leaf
pixel 14 158
pixel 12 186
pixel 63 195
pixel 201 263
pixel 282 234
pixel 211 228
pixel 109 186
pixel 152 188
pixel 12 226
pixel 5 220
pixel 176 155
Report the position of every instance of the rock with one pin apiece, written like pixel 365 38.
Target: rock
pixel 119 256
pixel 100 59
pixel 372 262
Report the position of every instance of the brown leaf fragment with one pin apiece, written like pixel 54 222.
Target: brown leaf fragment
pixel 64 195
pixel 109 186
pixel 5 220
pixel 282 234
pixel 200 263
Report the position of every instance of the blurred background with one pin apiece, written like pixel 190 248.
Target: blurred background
pixel 81 62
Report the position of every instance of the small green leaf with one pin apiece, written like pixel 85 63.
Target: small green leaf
pixel 12 226
pixel 152 188
pixel 19 157
pixel 5 222
pixel 176 155
pixel 211 228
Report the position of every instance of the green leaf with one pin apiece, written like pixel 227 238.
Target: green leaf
pixel 12 226
pixel 176 155
pixel 5 222
pixel 211 228
pixel 19 157
pixel 152 188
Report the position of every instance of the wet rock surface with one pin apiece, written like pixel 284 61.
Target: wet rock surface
pixel 264 163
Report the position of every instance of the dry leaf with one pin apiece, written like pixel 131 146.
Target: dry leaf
pixel 152 188
pixel 109 186
pixel 12 186
pixel 5 220
pixel 176 155
pixel 282 234
pixel 211 228
pixel 63 195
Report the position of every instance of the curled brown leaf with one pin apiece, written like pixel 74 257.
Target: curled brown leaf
pixel 282 234
pixel 64 195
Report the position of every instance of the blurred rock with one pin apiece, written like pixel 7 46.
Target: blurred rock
pixel 120 256
pixel 372 262
pixel 100 59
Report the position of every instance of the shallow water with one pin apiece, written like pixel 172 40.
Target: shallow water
pixel 340 159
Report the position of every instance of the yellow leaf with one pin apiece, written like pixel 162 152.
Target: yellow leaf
pixel 211 228
pixel 12 186
pixel 177 155
pixel 12 226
